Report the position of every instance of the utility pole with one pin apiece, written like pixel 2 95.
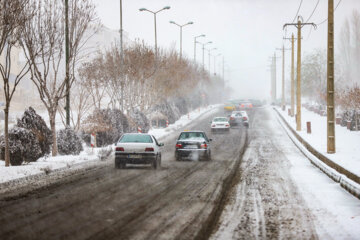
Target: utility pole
pixel 67 70
pixel 121 32
pixel 209 51
pixel 273 79
pixel 283 78
pixel 292 39
pixel 181 27
pixel 202 35
pixel 330 81
pixel 223 69
pixel 121 57
pixel 292 77
pixel 298 25
pixel 154 13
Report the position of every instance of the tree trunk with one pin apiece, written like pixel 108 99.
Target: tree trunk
pixel 7 152
pixel 53 130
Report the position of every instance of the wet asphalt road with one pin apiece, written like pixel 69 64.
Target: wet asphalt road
pixel 179 201
pixel 248 177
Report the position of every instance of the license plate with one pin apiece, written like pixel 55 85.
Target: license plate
pixel 191 146
pixel 134 156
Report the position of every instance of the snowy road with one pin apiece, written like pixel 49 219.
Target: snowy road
pixel 280 195
pixel 275 194
pixel 134 203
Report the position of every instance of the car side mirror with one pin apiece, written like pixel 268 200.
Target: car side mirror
pixel 161 144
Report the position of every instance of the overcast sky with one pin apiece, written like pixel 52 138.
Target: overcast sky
pixel 245 32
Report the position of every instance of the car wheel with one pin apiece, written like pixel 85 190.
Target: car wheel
pixel 209 156
pixel 177 157
pixel 120 165
pixel 155 163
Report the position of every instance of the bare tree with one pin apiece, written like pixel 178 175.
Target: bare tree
pixel 44 41
pixel 13 16
pixel 81 105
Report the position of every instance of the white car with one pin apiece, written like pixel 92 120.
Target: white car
pixel 138 148
pixel 239 118
pixel 220 124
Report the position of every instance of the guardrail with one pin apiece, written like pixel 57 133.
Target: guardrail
pixel 347 179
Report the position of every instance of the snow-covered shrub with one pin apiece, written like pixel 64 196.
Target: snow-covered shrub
pixel 138 119
pixel 108 124
pixel 68 142
pixel 182 105
pixel 103 153
pixel 34 122
pixel 168 109
pixel 23 146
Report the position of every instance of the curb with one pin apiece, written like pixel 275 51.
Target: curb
pixel 348 180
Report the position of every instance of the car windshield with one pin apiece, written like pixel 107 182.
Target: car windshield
pixel 222 119
pixel 136 138
pixel 191 136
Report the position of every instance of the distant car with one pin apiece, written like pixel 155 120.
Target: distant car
pixel 245 105
pixel 245 118
pixel 220 124
pixel 193 145
pixel 239 118
pixel 138 148
pixel 229 107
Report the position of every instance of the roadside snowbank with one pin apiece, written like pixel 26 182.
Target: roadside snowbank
pixel 345 181
pixel 347 142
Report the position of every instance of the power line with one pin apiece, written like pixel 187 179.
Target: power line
pixel 334 12
pixel 313 11
pixel 297 11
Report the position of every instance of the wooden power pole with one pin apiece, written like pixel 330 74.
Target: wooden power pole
pixel 283 77
pixel 330 81
pixel 273 79
pixel 298 25
pixel 292 39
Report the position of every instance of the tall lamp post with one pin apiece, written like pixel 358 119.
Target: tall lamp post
pixel 209 51
pixel 202 35
pixel 203 51
pixel 181 26
pixel 215 56
pixel 144 9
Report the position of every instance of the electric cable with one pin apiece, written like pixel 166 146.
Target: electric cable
pixel 297 11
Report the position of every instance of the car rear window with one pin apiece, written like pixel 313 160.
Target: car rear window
pixel 136 138
pixel 191 135
pixel 220 120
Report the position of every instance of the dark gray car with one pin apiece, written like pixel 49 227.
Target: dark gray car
pixel 193 145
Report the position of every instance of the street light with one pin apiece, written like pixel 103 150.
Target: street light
pixel 209 50
pixel 202 35
pixel 215 56
pixel 203 51
pixel 164 8
pixel 181 26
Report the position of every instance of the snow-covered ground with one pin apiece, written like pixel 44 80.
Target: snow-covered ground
pixel 336 212
pixel 347 142
pixel 183 121
pixel 282 195
pixel 88 156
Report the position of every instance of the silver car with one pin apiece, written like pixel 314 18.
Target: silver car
pixel 239 118
pixel 138 148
